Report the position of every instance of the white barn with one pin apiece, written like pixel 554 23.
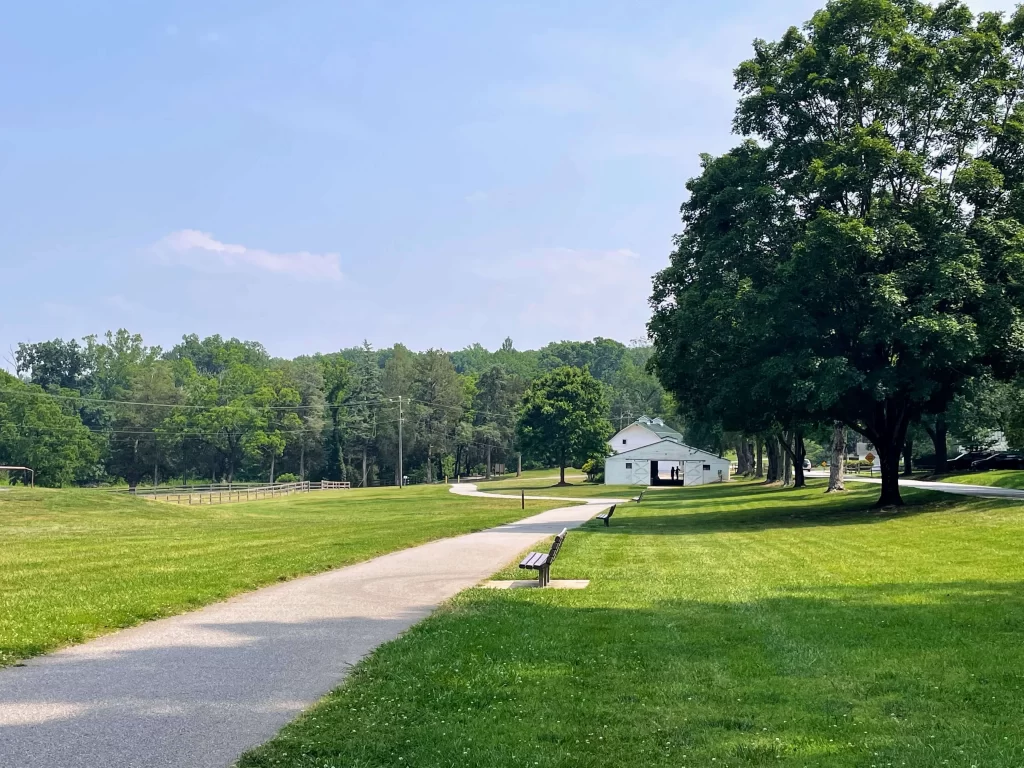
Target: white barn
pixel 646 451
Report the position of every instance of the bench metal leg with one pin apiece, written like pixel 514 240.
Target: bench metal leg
pixel 606 522
pixel 542 577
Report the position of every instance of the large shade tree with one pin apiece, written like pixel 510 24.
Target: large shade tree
pixel 563 419
pixel 878 249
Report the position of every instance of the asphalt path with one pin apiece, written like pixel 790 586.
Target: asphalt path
pixel 985 491
pixel 199 689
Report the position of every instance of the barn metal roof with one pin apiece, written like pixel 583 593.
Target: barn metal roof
pixel 667 449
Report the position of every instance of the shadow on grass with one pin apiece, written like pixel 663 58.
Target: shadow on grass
pixel 844 676
pixel 756 507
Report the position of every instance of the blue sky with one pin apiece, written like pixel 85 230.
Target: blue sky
pixel 309 174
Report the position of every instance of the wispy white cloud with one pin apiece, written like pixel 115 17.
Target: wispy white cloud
pixel 200 250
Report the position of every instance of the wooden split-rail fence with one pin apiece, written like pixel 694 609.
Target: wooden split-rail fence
pixel 229 492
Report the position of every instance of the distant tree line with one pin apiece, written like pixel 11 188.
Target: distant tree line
pixel 857 262
pixel 113 409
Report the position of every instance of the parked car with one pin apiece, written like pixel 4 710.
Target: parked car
pixel 966 460
pixel 1000 461
pixel 807 464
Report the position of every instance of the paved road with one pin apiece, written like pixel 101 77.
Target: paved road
pixel 961 490
pixel 197 690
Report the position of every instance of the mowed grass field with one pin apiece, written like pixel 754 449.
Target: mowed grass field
pixel 77 563
pixel 729 626
pixel 996 478
pixel 544 482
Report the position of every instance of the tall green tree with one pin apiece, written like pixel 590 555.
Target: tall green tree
pixel 495 409
pixel 307 378
pixel 439 403
pixel 365 396
pixel 55 364
pixel 137 446
pixel 890 162
pixel 564 419
pixel 275 419
pixel 38 432
pixel 336 374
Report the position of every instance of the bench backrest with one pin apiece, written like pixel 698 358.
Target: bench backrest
pixel 612 510
pixel 556 545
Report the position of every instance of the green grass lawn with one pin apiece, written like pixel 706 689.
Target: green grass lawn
pixel 544 482
pixel 74 564
pixel 728 626
pixel 995 478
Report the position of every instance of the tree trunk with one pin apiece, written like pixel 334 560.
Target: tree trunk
pixel 799 452
pixel 787 459
pixel 888 432
pixel 938 436
pixel 889 458
pixel 759 469
pixel 519 465
pixel 774 459
pixel 458 459
pixel 908 457
pixel 561 472
pixel 273 460
pixel 487 473
pixel 430 464
pixel 362 484
pixel 837 466
pixel 302 462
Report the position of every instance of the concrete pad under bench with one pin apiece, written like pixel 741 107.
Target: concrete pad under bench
pixel 532 584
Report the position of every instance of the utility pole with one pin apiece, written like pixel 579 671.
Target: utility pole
pixel 401 471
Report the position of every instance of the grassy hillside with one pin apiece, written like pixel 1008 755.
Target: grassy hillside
pixel 727 626
pixel 78 563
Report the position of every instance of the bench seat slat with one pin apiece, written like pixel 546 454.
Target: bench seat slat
pixel 534 560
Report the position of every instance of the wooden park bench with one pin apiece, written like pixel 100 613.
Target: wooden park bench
pixel 606 516
pixel 541 562
pixel 639 498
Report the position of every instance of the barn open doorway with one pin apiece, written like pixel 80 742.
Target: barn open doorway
pixel 655 479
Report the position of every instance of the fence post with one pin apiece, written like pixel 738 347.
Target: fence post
pixel 523 500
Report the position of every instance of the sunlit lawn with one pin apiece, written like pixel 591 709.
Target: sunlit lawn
pixel 544 482
pixel 74 564
pixel 727 626
pixel 998 478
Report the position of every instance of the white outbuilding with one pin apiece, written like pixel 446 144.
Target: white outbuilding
pixel 647 452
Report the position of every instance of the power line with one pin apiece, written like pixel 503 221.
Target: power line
pixel 79 398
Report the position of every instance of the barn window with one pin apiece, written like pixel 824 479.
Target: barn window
pixel 623 442
pixel 629 465
pixel 707 467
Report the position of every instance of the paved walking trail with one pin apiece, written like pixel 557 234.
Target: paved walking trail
pixel 986 491
pixel 198 690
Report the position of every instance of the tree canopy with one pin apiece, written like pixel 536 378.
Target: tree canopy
pixel 216 409
pixel 861 257
pixel 562 420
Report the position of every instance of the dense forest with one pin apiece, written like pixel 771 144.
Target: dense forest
pixel 115 410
